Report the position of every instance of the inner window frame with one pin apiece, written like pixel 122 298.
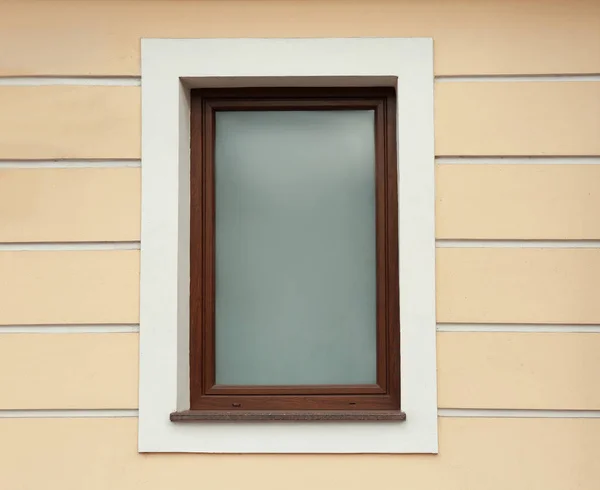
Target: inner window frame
pixel 310 402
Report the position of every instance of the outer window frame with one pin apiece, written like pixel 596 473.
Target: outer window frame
pixel 170 69
pixel 380 401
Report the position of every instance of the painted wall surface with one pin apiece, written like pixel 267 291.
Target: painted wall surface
pixel 518 228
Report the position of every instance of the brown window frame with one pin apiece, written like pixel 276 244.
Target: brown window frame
pixel 209 401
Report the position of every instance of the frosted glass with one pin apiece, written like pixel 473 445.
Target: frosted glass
pixel 295 247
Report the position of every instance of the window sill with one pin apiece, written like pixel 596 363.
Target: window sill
pixel 298 416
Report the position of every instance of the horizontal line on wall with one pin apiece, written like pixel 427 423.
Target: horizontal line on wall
pixel 509 327
pixel 68 413
pixel 546 160
pixel 443 243
pixel 441 327
pixel 442 412
pixel 70 246
pixel 518 413
pixel 498 160
pixel 467 243
pixel 69 329
pixel 134 81
pixel 593 77
pixel 94 81
pixel 70 163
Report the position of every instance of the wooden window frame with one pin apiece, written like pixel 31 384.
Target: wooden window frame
pixel 208 401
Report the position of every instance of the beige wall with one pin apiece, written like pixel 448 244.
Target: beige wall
pixel 50 278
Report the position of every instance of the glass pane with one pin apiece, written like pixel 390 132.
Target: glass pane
pixel 295 247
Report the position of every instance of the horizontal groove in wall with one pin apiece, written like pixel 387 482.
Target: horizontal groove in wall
pixel 68 413
pixel 520 78
pixel 441 327
pixel 125 163
pixel 135 81
pixel 510 413
pixel 135 245
pixel 500 160
pixel 108 328
pixel 443 412
pixel 515 327
pixel 95 81
pixel 517 243
pixel 70 246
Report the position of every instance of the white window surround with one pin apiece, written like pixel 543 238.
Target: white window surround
pixel 170 67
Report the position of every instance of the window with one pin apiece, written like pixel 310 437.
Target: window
pixel 294 255
pixel 392 71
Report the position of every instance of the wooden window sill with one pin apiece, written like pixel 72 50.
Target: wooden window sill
pixel 299 416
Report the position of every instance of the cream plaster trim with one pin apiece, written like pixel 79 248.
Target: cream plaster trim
pixel 169 68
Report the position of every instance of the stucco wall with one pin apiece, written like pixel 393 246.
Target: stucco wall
pixel 518 227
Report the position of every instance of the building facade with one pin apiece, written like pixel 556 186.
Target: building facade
pixel 517 189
